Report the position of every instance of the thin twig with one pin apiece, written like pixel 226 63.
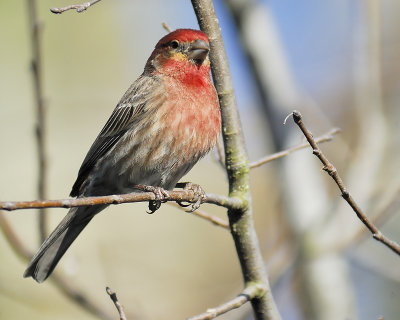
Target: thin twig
pixel 78 7
pixel 332 171
pixel 206 216
pixel 324 138
pixel 248 294
pixel 166 27
pixel 63 285
pixel 185 195
pixel 118 305
pixel 378 219
pixel 68 289
pixel 40 126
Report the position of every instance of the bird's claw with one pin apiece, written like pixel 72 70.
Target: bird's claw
pixel 160 196
pixel 198 198
pixel 154 205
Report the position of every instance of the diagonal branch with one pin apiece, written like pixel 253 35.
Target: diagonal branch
pixel 247 294
pixel 332 171
pixel 118 305
pixel 65 286
pixel 78 7
pixel 206 216
pixel 324 138
pixel 379 218
pixel 185 195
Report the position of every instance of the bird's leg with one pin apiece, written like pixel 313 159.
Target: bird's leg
pixel 198 198
pixel 160 194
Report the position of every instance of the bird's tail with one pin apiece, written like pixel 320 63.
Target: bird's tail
pixel 54 247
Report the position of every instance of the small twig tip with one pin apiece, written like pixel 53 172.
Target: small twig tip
pixel 166 27
pixel 55 10
pixel 296 115
pixel 287 117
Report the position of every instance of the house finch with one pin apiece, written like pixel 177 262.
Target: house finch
pixel 167 120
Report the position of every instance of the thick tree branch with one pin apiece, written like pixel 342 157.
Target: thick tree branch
pixel 185 195
pixel 240 219
pixel 247 294
pixel 78 7
pixel 332 171
pixel 40 128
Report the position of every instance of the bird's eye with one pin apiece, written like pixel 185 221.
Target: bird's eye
pixel 174 44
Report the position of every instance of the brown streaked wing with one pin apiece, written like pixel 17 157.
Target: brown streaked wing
pixel 131 108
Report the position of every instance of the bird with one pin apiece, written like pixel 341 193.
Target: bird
pixel 167 120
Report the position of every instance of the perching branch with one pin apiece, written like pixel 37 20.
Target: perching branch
pixel 332 171
pixel 247 294
pixel 240 218
pixel 185 195
pixel 78 7
pixel 324 138
pixel 118 305
pixel 40 128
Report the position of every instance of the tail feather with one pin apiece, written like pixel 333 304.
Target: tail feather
pixel 55 246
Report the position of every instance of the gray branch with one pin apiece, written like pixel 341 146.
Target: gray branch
pixel 240 219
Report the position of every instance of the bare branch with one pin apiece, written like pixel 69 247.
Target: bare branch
pixel 206 216
pixel 118 305
pixel 78 7
pixel 332 171
pixel 185 195
pixel 76 295
pixel 324 138
pixel 248 294
pixel 383 214
pixel 40 126
pixel 241 218
pixel 379 218
pixel 213 219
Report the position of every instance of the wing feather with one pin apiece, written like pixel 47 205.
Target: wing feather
pixel 130 109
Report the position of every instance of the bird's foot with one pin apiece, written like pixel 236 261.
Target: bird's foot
pixel 160 194
pixel 198 198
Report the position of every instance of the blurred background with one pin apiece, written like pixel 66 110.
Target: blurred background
pixel 337 62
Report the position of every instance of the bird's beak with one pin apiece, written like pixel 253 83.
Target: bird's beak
pixel 198 51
